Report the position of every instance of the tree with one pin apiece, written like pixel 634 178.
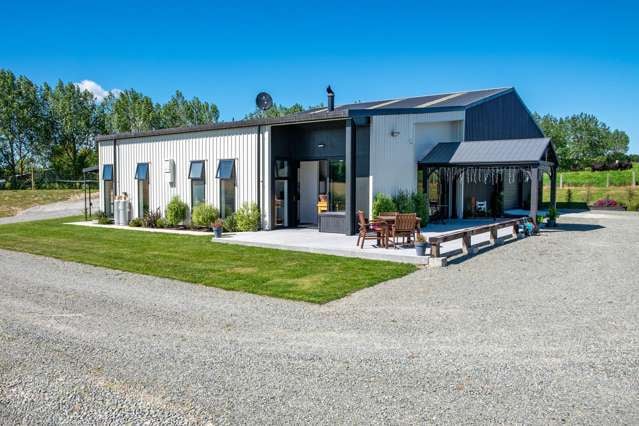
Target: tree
pixel 130 111
pixel 73 122
pixel 21 123
pixel 275 111
pixel 582 139
pixel 180 112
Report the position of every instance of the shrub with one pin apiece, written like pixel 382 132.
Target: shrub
pixel 150 219
pixel 102 218
pixel 248 217
pixel 421 207
pixel 229 224
pixel 136 222
pixel 404 202
pixel 218 223
pixel 161 223
pixel 606 202
pixel 176 211
pixel 383 203
pixel 204 215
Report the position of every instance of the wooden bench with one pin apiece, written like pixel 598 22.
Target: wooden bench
pixel 466 234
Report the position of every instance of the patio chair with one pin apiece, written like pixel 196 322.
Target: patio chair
pixel 403 227
pixel 389 213
pixel 373 230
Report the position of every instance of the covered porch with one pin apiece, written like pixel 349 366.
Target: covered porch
pixel 490 179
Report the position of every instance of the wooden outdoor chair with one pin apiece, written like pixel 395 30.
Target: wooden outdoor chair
pixel 389 213
pixel 404 227
pixel 374 230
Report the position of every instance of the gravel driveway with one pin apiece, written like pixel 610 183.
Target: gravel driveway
pixel 73 207
pixel 544 330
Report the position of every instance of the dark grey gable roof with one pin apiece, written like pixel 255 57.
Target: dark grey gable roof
pixel 488 152
pixel 417 104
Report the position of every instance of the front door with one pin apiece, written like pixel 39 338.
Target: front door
pixel 309 191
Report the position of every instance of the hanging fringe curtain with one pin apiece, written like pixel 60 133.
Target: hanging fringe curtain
pixel 485 174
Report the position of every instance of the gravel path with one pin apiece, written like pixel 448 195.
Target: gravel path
pixel 544 330
pixel 67 208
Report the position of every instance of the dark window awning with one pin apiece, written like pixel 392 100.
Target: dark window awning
pixel 197 170
pixel 225 169
pixel 107 172
pixel 142 171
pixel 491 153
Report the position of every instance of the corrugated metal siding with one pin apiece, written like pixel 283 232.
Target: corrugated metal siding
pixel 393 160
pixel 504 117
pixel 210 146
pixel 511 194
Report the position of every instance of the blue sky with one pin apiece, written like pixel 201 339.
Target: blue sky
pixel 563 57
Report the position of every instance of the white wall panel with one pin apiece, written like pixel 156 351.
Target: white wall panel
pixel 239 144
pixel 393 159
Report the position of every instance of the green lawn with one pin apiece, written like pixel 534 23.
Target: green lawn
pixel 628 195
pixel 291 275
pixel 12 201
pixel 598 179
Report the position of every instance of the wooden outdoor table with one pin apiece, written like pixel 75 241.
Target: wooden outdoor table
pixel 390 221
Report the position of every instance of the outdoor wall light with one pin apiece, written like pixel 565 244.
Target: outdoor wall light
pixel 395 133
pixel 321 145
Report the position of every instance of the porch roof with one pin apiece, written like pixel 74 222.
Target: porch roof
pixel 491 152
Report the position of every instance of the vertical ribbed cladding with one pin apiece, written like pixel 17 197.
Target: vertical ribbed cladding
pixel 210 146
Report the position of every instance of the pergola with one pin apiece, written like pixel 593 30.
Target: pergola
pixel 490 162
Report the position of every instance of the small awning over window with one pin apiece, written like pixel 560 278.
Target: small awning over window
pixel 225 169
pixel 197 170
pixel 107 172
pixel 142 171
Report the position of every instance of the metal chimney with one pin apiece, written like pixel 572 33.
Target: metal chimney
pixel 331 98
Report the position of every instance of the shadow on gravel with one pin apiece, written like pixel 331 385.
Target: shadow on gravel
pixel 455 257
pixel 574 227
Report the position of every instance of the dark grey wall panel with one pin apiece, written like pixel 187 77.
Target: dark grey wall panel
pixel 504 117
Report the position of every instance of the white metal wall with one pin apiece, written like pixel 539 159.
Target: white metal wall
pixel 393 159
pixel 239 144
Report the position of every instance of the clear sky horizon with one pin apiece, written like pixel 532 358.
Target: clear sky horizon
pixel 562 57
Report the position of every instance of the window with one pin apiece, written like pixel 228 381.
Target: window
pixel 281 169
pixel 197 170
pixel 142 176
pixel 198 183
pixel 226 174
pixel 107 178
pixel 225 169
pixel 337 185
pixel 107 172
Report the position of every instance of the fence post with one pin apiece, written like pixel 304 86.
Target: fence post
pixel 607 180
pixel 634 178
pixel 32 177
pixel 561 181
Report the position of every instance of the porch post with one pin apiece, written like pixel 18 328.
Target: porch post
pixel 349 160
pixel 534 194
pixel 553 186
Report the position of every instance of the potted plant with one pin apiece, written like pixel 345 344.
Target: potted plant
pixel 420 245
pixel 217 227
pixel 552 217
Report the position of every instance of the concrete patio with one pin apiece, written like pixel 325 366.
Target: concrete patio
pixel 310 240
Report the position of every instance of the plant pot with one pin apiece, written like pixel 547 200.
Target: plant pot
pixel 217 232
pixel 420 248
pixel 552 223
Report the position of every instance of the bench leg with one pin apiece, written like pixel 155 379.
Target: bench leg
pixel 434 250
pixel 493 236
pixel 466 243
